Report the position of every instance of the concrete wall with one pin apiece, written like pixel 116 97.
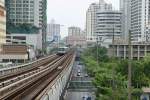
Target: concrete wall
pixel 59 84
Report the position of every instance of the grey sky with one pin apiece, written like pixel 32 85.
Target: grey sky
pixel 71 12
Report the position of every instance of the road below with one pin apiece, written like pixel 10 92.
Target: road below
pixel 79 93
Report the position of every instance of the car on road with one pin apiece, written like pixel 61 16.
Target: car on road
pixel 86 75
pixel 78 74
pixel 87 98
pixel 80 63
pixel 79 71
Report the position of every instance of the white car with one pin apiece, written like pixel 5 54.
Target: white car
pixel 78 74
pixel 79 71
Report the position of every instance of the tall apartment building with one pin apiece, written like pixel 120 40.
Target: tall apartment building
pixel 76 37
pixel 102 22
pixel 140 20
pixel 30 12
pixel 53 32
pixel 2 23
pixel 136 17
pixel 125 18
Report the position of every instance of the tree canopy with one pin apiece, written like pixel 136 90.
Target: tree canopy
pixel 110 74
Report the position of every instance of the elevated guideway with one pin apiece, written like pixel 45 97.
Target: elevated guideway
pixel 44 79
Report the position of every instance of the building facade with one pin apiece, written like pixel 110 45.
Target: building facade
pixel 25 39
pixel 138 51
pixel 76 37
pixel 140 20
pixel 16 53
pixel 53 32
pixel 2 23
pixel 108 26
pixel 125 18
pixel 28 12
pixel 102 22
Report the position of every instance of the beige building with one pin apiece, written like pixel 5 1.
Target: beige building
pixel 2 23
pixel 138 51
pixel 16 53
pixel 76 37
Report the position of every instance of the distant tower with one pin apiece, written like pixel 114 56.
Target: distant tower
pixel 53 31
pixel 52 21
pixel 101 1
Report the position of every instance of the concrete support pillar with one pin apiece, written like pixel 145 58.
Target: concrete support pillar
pixel 117 51
pixel 138 52
pixel 125 52
pixel 145 50
pixel 131 51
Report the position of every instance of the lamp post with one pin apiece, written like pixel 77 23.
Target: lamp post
pixel 129 69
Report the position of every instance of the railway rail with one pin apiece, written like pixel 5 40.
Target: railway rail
pixel 28 73
pixel 6 74
pixel 30 83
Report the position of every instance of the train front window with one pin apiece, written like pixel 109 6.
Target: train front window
pixel 61 49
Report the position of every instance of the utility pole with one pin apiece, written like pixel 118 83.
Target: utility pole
pixel 113 69
pixel 97 56
pixel 129 69
pixel 113 42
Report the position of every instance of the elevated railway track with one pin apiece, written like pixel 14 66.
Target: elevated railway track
pixel 28 83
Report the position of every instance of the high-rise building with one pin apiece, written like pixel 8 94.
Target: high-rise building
pixel 140 20
pixel 102 22
pixel 76 37
pixel 53 32
pixel 28 12
pixel 2 23
pixel 125 18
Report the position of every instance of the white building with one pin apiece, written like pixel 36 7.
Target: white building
pixel 28 11
pixel 108 25
pixel 140 20
pixel 29 39
pixel 53 32
pixel 125 18
pixel 102 23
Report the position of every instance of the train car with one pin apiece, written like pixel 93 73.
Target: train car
pixel 62 50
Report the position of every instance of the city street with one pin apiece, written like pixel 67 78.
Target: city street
pixel 80 94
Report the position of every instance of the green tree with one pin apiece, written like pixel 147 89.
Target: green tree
pixel 111 70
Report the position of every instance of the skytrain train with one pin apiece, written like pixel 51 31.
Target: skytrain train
pixel 62 50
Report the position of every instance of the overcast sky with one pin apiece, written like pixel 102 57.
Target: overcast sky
pixel 71 12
